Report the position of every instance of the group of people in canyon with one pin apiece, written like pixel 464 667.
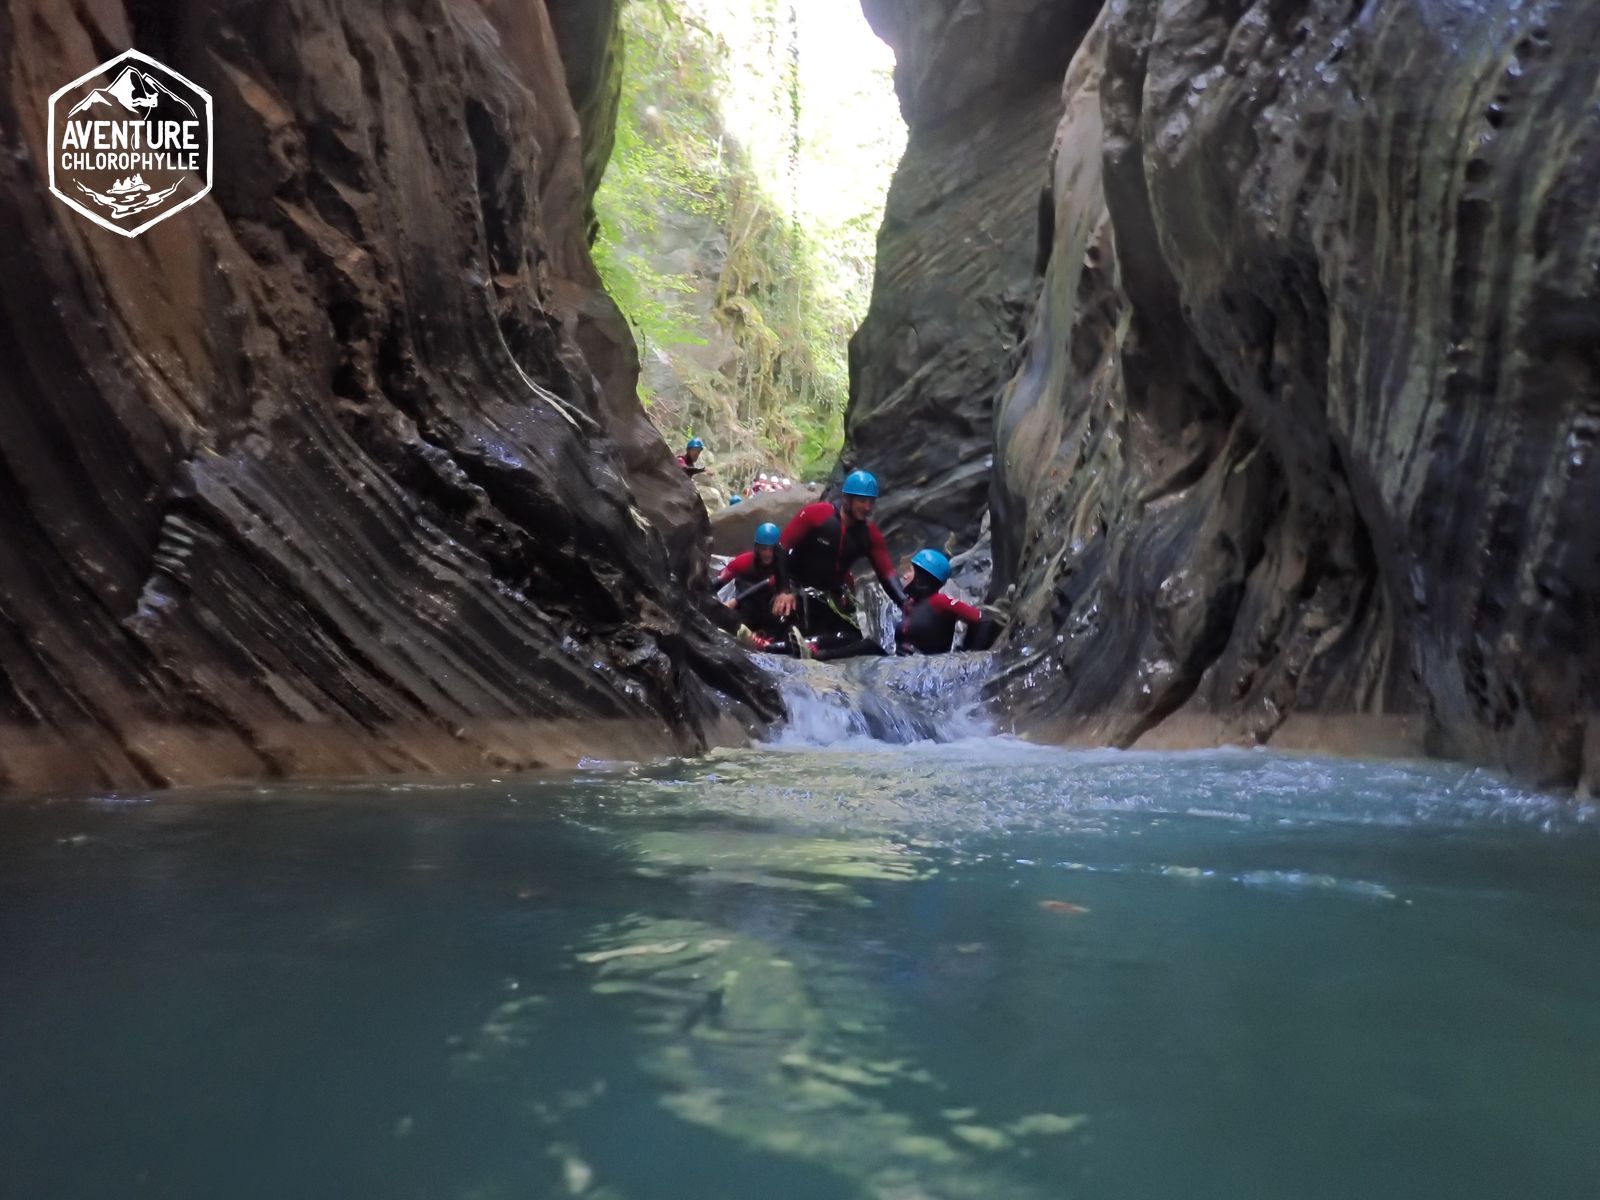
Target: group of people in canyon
pixel 795 590
pixel 689 463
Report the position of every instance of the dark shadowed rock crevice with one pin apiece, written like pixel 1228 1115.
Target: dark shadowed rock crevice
pixel 342 469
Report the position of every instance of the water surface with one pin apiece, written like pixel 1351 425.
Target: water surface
pixel 972 970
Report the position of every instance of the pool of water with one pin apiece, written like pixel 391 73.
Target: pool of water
pixel 973 970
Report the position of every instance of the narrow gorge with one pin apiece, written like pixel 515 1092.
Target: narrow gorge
pixel 442 759
pixel 1268 380
pixel 1298 446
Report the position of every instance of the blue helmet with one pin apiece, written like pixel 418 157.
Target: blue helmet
pixel 696 444
pixel 933 563
pixel 732 500
pixel 861 483
pixel 768 534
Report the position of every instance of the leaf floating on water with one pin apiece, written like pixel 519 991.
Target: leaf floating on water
pixel 600 956
pixel 1062 906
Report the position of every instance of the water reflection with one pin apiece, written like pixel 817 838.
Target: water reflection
pixel 975 968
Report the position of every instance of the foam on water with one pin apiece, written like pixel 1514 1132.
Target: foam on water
pixel 884 701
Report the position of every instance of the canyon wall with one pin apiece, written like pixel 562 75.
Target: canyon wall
pixel 1306 420
pixel 341 469
pixel 979 87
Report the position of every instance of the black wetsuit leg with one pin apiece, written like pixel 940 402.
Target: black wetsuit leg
pixel 756 612
pixel 983 635
pixel 833 634
pixel 831 646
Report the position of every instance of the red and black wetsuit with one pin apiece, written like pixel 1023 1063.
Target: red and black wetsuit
pixel 689 468
pixel 930 625
pixel 753 601
pixel 823 547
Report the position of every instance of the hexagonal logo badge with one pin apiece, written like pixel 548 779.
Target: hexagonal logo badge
pixel 130 143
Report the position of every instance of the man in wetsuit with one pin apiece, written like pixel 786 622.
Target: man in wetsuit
pixel 690 458
pixel 929 624
pixel 824 541
pixel 762 575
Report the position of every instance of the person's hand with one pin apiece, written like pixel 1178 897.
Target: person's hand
pixel 730 604
pixel 906 605
pixel 783 604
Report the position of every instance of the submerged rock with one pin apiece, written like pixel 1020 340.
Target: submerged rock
pixel 341 470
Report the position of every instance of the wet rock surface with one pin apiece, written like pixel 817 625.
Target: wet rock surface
pixel 979 86
pixel 733 528
pixel 342 469
pixel 1307 416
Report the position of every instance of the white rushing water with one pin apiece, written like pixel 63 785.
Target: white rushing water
pixel 897 701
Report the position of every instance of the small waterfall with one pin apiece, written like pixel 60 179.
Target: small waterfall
pixel 894 700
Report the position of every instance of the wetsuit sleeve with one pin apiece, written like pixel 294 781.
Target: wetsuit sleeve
pixel 737 567
pixel 803 522
pixel 957 608
pixel 878 552
pixel 780 571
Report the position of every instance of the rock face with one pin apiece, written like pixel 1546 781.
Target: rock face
pixel 1308 414
pixel 979 87
pixel 341 469
pixel 733 528
pixel 589 37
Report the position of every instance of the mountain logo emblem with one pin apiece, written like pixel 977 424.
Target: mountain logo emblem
pixel 130 143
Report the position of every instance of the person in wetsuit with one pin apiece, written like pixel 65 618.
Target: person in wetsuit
pixel 762 575
pixel 824 541
pixel 690 458
pixel 929 624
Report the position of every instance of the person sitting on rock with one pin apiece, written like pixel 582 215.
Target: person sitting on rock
pixel 929 624
pixel 825 540
pixel 690 458
pixel 762 575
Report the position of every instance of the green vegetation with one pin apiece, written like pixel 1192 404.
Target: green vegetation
pixel 738 216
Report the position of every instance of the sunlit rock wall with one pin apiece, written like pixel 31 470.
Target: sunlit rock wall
pixel 341 469
pixel 1307 417
pixel 979 86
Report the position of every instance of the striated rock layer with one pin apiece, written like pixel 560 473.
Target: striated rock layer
pixel 341 469
pixel 1308 413
pixel 979 88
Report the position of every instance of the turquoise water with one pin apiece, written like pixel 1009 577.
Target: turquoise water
pixel 973 970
